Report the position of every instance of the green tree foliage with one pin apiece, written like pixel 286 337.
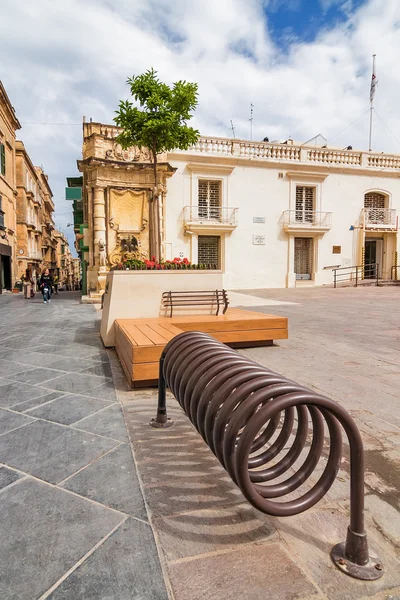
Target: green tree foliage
pixel 160 124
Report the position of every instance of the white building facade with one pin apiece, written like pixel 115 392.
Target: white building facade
pixel 281 215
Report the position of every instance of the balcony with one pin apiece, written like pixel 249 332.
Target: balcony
pixel 380 219
pixel 300 221
pixel 214 218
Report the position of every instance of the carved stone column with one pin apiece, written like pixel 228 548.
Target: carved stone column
pixel 99 236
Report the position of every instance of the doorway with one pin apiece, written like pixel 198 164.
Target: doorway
pixel 303 258
pixel 5 273
pixel 373 254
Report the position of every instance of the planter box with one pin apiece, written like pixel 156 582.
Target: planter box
pixel 16 291
pixel 137 295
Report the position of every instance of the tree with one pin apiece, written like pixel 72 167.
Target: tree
pixel 159 124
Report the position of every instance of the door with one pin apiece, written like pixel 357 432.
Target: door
pixel 303 257
pixel 373 254
pixel 5 273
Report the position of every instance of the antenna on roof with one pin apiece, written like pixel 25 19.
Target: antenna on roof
pixel 251 120
pixel 233 129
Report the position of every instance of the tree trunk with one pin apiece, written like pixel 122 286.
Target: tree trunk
pixel 155 232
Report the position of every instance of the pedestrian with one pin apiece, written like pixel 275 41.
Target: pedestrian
pixel 28 282
pixel 46 282
pixel 55 284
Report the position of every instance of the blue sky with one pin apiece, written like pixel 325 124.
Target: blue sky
pixel 303 20
pixel 304 64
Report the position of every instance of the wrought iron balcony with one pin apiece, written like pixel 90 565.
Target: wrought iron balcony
pixel 306 220
pixel 217 218
pixel 380 218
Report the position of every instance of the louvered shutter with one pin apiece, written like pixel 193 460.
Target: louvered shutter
pixel 209 199
pixel 2 159
pixel 305 200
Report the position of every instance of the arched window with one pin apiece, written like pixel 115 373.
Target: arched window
pixel 374 200
pixel 375 210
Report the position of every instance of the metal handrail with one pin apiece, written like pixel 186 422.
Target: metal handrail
pixel 258 423
pixel 210 214
pixel 359 273
pixel 311 218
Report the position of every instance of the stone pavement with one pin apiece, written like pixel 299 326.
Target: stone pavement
pixel 344 343
pixel 73 521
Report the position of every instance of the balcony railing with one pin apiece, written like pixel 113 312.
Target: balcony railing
pixel 212 217
pixel 380 218
pixel 296 220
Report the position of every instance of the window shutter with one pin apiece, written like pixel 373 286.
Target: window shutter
pixel 3 159
pixel 209 199
pixel 305 201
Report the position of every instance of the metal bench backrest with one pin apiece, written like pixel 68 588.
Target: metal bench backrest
pixel 174 299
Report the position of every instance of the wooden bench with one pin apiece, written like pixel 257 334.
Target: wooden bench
pixel 139 342
pixel 210 298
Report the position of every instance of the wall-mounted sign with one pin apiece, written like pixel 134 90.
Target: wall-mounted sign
pixel 336 249
pixel 258 219
pixel 258 240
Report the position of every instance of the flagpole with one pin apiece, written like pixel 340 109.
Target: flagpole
pixel 372 103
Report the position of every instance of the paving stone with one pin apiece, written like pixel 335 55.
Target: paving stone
pixel 10 420
pixel 311 536
pixel 8 368
pixel 213 530
pixel 38 375
pixel 45 531
pixel 13 392
pixel 72 364
pixel 124 567
pixel 68 409
pixel 108 422
pixel 7 477
pixel 104 391
pixel 27 357
pixel 112 480
pixel 29 404
pixel 386 518
pixel 74 382
pixel 256 571
pixel 101 369
pixel 49 451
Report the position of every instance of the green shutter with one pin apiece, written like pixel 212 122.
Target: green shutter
pixel 3 159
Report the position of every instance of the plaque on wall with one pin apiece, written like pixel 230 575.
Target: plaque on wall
pixel 258 240
pixel 258 219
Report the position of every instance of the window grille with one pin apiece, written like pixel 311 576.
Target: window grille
pixel 303 257
pixel 209 250
pixel 305 202
pixel 209 199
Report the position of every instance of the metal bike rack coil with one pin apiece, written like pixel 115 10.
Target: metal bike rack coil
pixel 259 424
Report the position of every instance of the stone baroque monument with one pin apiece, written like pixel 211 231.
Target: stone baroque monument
pixel 118 187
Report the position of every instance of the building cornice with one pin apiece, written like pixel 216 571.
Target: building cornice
pixel 9 109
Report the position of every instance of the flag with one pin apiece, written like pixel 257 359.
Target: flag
pixel 374 83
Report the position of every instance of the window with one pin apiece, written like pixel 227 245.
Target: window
pixel 2 159
pixel 374 203
pixel 209 199
pixel 62 248
pixel 374 200
pixel 209 251
pixel 305 202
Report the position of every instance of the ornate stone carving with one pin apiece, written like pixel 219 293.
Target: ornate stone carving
pixel 133 154
pixel 128 248
pixel 102 254
pixel 127 210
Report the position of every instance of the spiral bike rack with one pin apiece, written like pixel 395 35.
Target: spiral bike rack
pixel 247 414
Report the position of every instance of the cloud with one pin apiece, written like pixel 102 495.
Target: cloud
pixel 69 59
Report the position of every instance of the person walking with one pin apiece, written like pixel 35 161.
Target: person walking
pixel 46 283
pixel 28 282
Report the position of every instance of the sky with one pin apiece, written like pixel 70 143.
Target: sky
pixel 305 65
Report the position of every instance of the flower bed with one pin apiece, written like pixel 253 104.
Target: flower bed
pixel 134 264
